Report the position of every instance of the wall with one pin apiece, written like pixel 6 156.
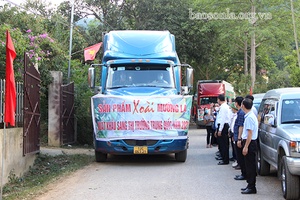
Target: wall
pixel 54 115
pixel 13 159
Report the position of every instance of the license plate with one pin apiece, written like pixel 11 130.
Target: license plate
pixel 140 150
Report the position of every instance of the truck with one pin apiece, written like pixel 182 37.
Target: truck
pixel 141 106
pixel 208 92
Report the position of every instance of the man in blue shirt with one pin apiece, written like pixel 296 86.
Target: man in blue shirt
pixel 237 133
pixel 249 138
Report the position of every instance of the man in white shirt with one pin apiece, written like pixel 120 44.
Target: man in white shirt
pixel 222 132
pixel 249 145
pixel 249 96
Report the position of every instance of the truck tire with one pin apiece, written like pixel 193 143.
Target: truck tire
pixel 290 184
pixel 181 156
pixel 100 157
pixel 263 167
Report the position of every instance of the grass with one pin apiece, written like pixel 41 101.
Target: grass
pixel 46 169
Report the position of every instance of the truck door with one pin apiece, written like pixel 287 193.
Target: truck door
pixel 267 129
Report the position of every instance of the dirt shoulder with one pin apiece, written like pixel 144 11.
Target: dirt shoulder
pixel 53 151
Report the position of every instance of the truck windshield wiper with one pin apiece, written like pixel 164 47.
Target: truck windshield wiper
pixel 160 86
pixel 121 86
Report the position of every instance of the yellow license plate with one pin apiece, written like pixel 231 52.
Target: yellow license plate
pixel 140 150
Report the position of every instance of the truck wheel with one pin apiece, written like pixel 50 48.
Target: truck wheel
pixel 100 157
pixel 181 156
pixel 263 167
pixel 290 184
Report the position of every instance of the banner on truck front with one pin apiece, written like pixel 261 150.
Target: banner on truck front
pixel 143 116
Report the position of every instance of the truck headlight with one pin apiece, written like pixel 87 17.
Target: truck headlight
pixel 295 146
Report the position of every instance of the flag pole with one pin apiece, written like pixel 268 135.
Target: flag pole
pixel 71 36
pixel 3 148
pixel 9 97
pixel 3 153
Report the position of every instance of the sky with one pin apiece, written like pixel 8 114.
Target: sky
pixel 18 2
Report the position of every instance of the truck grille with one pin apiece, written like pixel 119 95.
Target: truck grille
pixel 140 142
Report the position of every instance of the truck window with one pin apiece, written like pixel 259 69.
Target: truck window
pixel 140 75
pixel 208 100
pixel 290 111
pixel 268 112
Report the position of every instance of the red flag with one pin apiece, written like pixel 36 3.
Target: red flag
pixel 250 91
pixel 90 52
pixel 10 85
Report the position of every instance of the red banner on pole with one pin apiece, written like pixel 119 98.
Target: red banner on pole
pixel 90 52
pixel 10 85
pixel 250 92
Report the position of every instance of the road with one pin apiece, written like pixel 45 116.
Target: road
pixel 160 177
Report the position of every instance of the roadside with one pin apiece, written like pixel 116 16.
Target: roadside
pixel 50 165
pixel 54 151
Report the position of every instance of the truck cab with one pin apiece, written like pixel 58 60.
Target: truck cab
pixel 142 106
pixel 207 94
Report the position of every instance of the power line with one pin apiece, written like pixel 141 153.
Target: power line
pixel 58 20
pixel 12 2
pixel 19 5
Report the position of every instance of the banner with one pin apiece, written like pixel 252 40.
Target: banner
pixel 140 116
pixel 10 85
pixel 90 52
pixel 200 113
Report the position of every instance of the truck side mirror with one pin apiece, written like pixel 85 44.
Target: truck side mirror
pixel 189 77
pixel 185 90
pixel 91 77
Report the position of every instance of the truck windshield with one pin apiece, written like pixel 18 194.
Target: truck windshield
pixel 290 112
pixel 208 100
pixel 137 75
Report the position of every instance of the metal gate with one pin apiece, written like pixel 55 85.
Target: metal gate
pixel 32 116
pixel 68 120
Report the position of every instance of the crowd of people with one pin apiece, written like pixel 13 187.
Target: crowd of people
pixel 234 125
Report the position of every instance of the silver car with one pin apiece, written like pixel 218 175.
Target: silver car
pixel 279 138
pixel 257 100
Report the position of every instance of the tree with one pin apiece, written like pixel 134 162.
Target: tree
pixel 293 69
pixel 272 33
pixel 46 40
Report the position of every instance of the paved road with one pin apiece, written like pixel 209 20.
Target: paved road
pixel 161 178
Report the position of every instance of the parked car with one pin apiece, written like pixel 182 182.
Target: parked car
pixel 279 138
pixel 257 100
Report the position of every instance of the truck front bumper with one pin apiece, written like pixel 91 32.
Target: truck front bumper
pixel 126 146
pixel 293 165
